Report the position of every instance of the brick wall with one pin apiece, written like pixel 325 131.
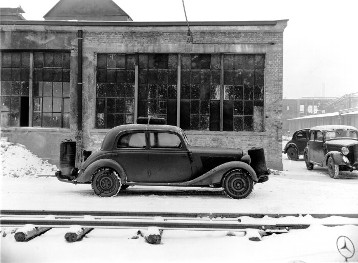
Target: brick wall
pixel 217 38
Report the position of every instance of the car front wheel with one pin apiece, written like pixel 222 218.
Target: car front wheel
pixel 333 169
pixel 292 154
pixel 238 184
pixel 106 182
pixel 309 165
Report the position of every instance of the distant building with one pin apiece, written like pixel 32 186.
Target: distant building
pixel 345 102
pixel 9 14
pixel 295 108
pixel 343 110
pixel 89 10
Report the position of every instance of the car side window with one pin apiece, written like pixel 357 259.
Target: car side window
pixel 312 135
pixel 164 140
pixel 319 136
pixel 132 140
pixel 301 136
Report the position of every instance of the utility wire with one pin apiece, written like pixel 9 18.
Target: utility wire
pixel 189 35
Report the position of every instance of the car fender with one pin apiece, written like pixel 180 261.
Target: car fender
pixel 85 176
pixel 288 145
pixel 337 157
pixel 215 175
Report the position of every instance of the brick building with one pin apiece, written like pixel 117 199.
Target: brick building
pixel 76 79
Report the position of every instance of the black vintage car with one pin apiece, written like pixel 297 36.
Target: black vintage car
pixel 296 146
pixel 160 155
pixel 334 147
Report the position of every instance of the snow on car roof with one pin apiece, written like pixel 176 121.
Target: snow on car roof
pixel 333 127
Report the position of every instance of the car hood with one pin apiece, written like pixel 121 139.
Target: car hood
pixel 342 142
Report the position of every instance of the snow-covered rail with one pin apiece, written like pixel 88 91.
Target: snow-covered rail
pixel 187 221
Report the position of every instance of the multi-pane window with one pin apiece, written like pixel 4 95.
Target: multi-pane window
pixel 157 91
pixel 115 90
pixel 15 69
pixel 243 92
pixel 51 89
pixel 200 92
pixel 218 92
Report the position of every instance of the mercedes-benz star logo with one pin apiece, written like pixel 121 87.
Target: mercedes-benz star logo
pixel 345 247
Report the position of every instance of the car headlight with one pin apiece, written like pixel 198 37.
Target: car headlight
pixel 345 150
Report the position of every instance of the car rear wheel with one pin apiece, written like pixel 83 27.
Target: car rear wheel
pixel 333 169
pixel 292 154
pixel 309 165
pixel 238 184
pixel 106 182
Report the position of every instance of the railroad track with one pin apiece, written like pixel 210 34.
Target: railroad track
pixel 82 222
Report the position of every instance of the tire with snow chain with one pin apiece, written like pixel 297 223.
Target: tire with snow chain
pixel 238 184
pixel 333 169
pixel 292 153
pixel 106 182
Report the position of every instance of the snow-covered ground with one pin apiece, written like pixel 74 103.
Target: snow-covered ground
pixel 294 190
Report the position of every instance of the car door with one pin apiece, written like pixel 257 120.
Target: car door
pixel 300 138
pixel 317 148
pixel 169 159
pixel 131 153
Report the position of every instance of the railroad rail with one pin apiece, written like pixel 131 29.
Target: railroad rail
pixel 40 221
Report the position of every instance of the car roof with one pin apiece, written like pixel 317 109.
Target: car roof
pixel 333 127
pixel 111 135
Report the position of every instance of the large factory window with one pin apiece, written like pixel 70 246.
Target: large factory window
pixel 51 89
pixel 217 92
pixel 15 68
pixel 115 90
pixel 157 91
pixel 35 89
pixel 243 92
pixel 200 92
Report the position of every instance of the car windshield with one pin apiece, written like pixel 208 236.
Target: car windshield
pixel 341 133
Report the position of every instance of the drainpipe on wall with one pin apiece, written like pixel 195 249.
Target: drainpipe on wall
pixel 79 136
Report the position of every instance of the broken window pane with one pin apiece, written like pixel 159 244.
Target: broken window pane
pixel 14 119
pixel 36 119
pixel 5 103
pixel 248 93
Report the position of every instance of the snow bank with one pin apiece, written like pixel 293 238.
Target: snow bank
pixel 17 161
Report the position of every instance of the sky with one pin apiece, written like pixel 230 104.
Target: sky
pixel 320 40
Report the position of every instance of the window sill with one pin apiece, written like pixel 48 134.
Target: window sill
pixel 29 129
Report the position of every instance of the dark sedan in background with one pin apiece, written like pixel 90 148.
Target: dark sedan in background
pixel 334 147
pixel 296 146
